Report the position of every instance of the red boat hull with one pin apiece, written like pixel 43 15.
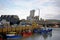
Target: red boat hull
pixel 1 39
pixel 27 34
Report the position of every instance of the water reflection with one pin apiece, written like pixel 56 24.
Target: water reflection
pixel 38 36
pixel 45 36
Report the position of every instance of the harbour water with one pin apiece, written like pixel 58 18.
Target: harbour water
pixel 54 35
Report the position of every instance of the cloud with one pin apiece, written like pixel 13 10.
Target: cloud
pixel 2 6
pixel 21 13
pixel 49 12
pixel 48 8
pixel 52 3
pixel 27 3
pixel 57 17
pixel 21 3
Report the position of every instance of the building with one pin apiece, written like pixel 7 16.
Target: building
pixel 32 12
pixel 13 19
pixel 5 23
pixel 36 18
pixel 31 16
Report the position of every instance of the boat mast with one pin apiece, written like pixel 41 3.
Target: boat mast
pixel 39 13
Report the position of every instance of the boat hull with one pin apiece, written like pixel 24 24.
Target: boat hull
pixel 41 31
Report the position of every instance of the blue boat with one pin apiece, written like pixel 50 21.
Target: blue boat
pixel 35 30
pixel 45 31
pixel 49 30
pixel 42 31
pixel 14 36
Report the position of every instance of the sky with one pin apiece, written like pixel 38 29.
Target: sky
pixel 49 9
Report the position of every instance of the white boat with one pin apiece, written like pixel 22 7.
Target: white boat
pixel 10 34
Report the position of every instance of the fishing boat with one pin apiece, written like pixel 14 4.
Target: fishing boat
pixel 12 32
pixel 26 33
pixel 1 37
pixel 42 30
pixel 12 36
pixel 35 31
pixel 49 30
pixel 45 30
